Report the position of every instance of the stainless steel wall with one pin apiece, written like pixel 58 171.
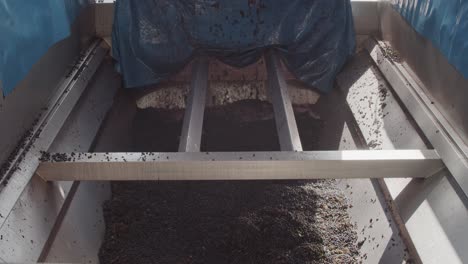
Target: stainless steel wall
pixel 443 82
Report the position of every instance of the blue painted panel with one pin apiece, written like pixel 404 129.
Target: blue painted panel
pixel 27 30
pixel 444 23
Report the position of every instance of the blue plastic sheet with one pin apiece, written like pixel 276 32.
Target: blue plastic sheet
pixel 27 30
pixel 153 39
pixel 444 23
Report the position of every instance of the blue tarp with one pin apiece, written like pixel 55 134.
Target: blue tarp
pixel 27 30
pixel 153 39
pixel 444 23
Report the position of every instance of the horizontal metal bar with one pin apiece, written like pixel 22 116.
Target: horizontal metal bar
pixel 240 165
pixel 190 138
pixel 435 127
pixel 22 168
pixel 284 114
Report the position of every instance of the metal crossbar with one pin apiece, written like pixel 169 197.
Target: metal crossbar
pixel 242 165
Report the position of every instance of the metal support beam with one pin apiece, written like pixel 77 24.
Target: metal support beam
pixel 190 139
pixel 284 115
pixel 241 165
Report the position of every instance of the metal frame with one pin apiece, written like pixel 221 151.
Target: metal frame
pixel 290 163
pixel 47 128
